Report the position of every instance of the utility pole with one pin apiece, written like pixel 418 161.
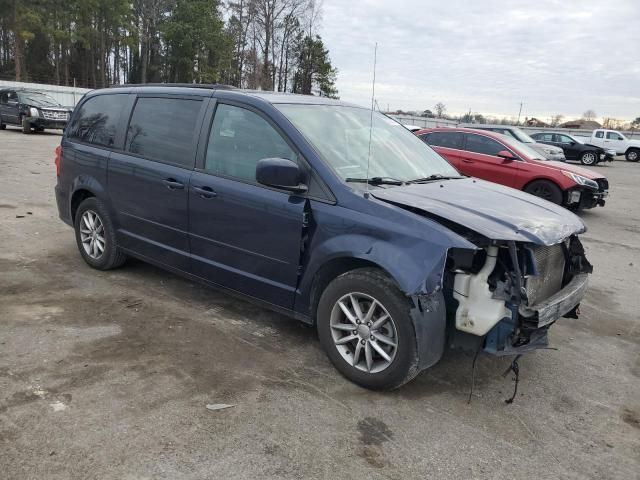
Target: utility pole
pixel 519 112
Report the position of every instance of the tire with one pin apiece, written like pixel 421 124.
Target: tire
pixel 26 126
pixel 40 129
pixel 545 189
pixel 632 155
pixel 2 125
pixel 589 158
pixel 371 370
pixel 110 256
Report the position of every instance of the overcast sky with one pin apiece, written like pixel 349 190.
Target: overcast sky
pixel 558 57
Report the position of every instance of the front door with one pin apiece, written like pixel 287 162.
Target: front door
pixel 244 236
pixel 149 182
pixel 480 160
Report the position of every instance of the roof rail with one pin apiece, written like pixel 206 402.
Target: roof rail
pixel 215 86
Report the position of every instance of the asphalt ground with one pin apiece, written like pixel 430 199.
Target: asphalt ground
pixel 107 375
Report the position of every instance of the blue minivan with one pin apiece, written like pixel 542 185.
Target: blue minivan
pixel 324 211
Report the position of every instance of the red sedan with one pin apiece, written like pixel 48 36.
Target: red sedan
pixel 500 159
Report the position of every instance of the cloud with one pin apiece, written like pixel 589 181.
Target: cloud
pixel 488 56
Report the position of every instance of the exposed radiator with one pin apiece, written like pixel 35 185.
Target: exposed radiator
pixel 550 265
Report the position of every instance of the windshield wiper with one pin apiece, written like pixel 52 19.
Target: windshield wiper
pixel 376 180
pixel 431 178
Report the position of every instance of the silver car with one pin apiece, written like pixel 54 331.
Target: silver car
pixel 549 152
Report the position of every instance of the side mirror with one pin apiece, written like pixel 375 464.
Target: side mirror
pixel 280 173
pixel 506 155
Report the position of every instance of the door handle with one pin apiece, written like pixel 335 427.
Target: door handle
pixel 467 160
pixel 173 184
pixel 205 192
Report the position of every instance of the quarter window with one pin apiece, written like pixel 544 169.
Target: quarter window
pixel 97 120
pixel 485 145
pixel 239 138
pixel 600 134
pixel 442 139
pixel 164 129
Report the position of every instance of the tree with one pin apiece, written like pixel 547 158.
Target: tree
pixel 427 114
pixel 589 115
pixel 636 123
pixel 313 69
pixel 440 109
pixel 556 120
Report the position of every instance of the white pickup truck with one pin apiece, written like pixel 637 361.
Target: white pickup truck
pixel 614 140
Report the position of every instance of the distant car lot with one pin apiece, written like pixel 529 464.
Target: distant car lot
pixel 107 375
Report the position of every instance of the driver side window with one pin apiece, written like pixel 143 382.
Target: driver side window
pixel 239 138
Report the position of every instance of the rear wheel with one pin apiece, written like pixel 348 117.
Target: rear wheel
pixel 632 155
pixel 589 158
pixel 26 126
pixel 545 189
pixel 366 330
pixel 95 236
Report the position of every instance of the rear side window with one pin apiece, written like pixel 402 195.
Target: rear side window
pixel 545 137
pixel 97 120
pixel 164 129
pixel 239 138
pixel 485 145
pixel 445 139
pixel 600 134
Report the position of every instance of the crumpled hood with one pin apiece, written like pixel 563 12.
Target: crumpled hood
pixel 492 210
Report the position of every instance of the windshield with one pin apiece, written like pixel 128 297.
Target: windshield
pixel 523 137
pixel 340 135
pixel 38 99
pixel 526 150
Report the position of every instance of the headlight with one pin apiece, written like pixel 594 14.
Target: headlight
pixel 580 180
pixel 33 111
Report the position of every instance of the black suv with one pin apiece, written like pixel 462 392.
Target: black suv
pixel 324 211
pixel 31 109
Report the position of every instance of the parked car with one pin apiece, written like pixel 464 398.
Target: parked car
pixel 547 151
pixel 31 109
pixel 574 148
pixel 323 211
pixel 614 140
pixel 501 159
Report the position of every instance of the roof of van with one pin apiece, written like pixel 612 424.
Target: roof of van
pixel 268 96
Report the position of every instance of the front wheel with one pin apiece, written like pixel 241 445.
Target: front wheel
pixel 589 158
pixel 632 155
pixel 366 330
pixel 95 236
pixel 26 126
pixel 545 189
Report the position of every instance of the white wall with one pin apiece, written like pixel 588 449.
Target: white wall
pixel 67 96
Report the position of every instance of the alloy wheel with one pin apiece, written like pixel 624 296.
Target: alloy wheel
pixel 589 158
pixel 364 332
pixel 92 234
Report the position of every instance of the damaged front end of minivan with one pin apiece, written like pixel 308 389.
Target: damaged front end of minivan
pixel 517 274
pixel 503 298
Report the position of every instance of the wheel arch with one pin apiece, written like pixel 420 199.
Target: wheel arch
pixel 546 179
pixel 331 270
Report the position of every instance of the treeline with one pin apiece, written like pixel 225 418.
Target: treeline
pixel 265 44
